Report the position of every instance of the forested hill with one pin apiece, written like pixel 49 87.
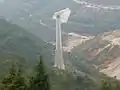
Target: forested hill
pixel 18 44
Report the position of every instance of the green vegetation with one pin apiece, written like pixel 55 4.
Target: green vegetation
pixel 40 81
pixel 14 80
pixel 57 80
pixel 111 84
pixel 21 46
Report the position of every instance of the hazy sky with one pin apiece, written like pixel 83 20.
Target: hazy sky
pixel 1 0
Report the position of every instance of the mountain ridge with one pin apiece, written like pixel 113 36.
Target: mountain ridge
pixel 29 14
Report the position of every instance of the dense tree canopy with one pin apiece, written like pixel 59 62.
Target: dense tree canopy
pixel 40 81
pixel 14 80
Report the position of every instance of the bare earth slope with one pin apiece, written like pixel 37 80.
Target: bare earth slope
pixel 101 52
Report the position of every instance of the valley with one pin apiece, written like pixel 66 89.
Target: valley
pixel 90 40
pixel 36 17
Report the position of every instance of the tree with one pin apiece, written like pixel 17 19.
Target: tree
pixel 14 80
pixel 105 85
pixel 20 81
pixel 111 84
pixel 40 81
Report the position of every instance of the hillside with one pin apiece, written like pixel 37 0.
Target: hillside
pixel 102 52
pixel 18 45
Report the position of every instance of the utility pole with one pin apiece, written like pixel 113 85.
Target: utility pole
pixel 60 17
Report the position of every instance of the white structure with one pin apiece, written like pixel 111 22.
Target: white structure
pixel 60 17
